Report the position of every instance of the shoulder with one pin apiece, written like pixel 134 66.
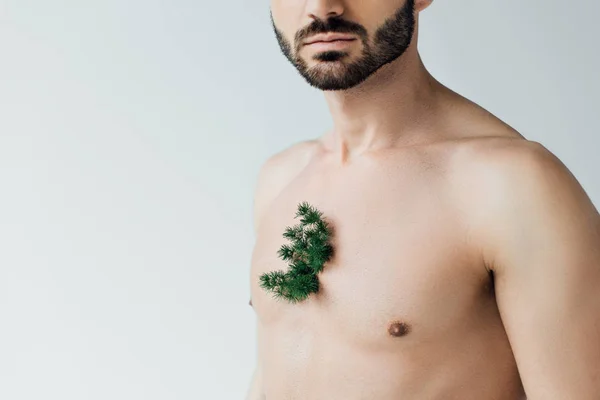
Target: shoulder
pixel 518 187
pixel 481 168
pixel 277 171
pixel 516 167
pixel 501 150
pixel 286 162
pixel 492 162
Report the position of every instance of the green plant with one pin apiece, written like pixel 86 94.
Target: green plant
pixel 307 254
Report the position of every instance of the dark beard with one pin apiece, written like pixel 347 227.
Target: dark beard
pixel 390 41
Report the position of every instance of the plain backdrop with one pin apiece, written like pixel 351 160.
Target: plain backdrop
pixel 131 134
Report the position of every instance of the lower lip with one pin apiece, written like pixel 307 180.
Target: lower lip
pixel 336 44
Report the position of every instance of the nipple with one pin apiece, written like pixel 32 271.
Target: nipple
pixel 398 329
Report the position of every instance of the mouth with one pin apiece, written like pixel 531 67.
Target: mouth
pixel 331 37
pixel 330 44
pixel 331 41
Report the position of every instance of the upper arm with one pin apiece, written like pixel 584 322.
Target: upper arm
pixel 541 237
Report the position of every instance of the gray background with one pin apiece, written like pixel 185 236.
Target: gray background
pixel 131 133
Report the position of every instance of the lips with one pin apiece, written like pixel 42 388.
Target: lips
pixel 331 41
pixel 328 38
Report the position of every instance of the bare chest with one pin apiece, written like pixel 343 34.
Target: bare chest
pixel 401 264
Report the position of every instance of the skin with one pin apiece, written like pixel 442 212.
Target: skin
pixel 467 258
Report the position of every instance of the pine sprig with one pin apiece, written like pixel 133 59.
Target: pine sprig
pixel 306 256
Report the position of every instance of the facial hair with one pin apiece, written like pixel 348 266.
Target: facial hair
pixel 390 41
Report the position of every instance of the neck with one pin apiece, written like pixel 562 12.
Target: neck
pixel 391 108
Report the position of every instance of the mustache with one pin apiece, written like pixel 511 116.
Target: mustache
pixel 331 25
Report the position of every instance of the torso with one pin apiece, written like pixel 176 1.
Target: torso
pixel 406 308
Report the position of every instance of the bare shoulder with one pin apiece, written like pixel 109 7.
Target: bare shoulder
pixel 499 154
pixel 277 172
pixel 478 163
pixel 505 182
pixel 491 151
pixel 495 162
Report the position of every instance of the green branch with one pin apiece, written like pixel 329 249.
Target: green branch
pixel 306 256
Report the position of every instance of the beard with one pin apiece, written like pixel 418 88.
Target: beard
pixel 332 71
